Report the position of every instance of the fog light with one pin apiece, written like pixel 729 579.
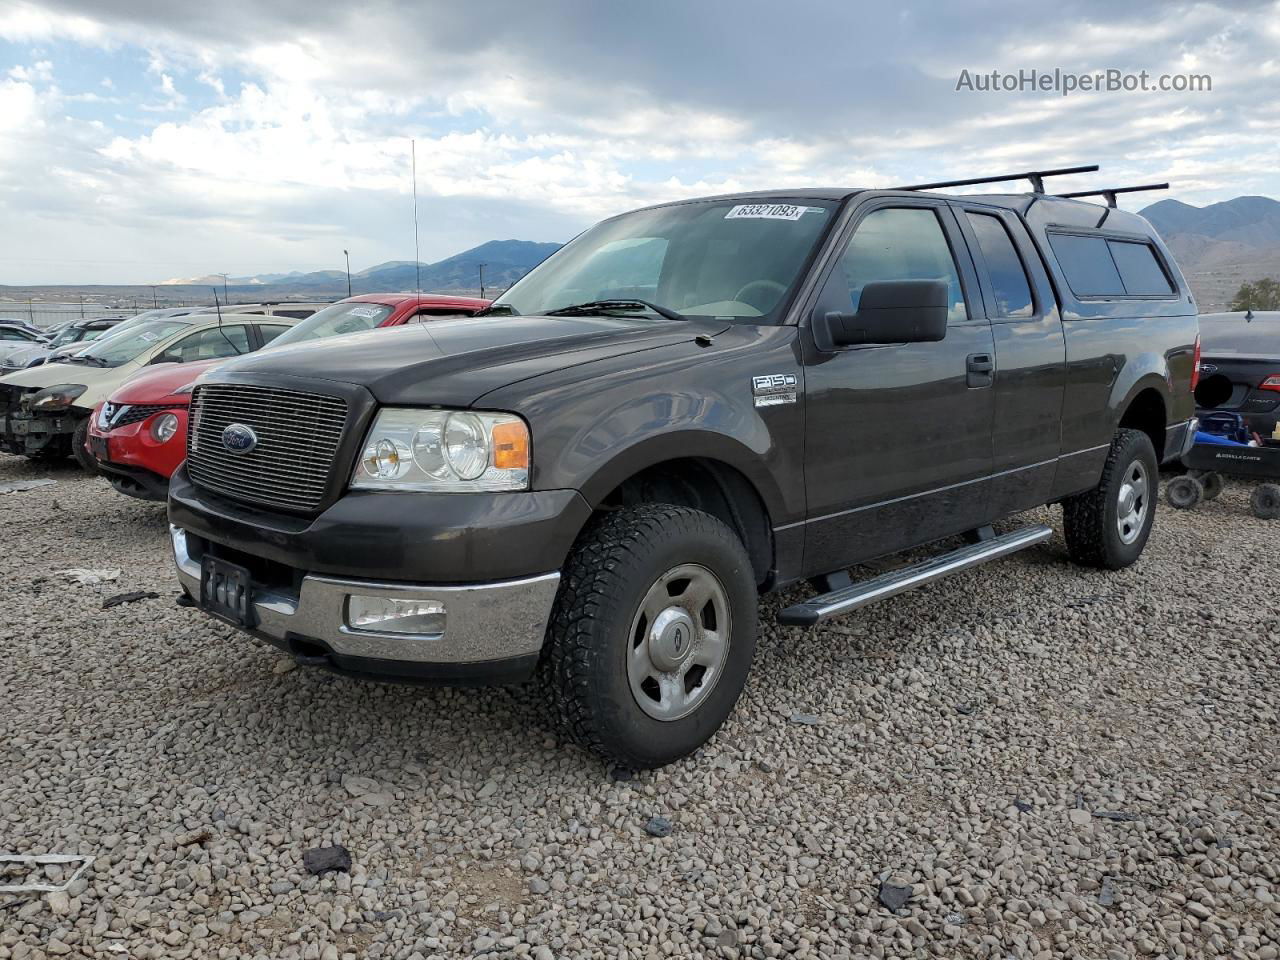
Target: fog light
pixel 385 615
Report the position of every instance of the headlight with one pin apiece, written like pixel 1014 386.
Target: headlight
pixel 57 397
pixel 164 427
pixel 446 451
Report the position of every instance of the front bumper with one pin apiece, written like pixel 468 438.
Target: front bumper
pixel 130 451
pixel 23 432
pixel 135 481
pixel 493 631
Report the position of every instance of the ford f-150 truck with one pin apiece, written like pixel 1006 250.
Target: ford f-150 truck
pixel 685 407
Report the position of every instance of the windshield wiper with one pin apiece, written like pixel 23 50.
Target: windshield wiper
pixel 597 307
pixel 497 310
pixel 98 361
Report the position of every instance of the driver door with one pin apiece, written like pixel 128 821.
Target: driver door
pixel 898 437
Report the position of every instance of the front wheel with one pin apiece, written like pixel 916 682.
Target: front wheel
pixel 652 634
pixel 1109 525
pixel 80 448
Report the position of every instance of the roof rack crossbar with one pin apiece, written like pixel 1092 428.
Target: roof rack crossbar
pixel 1035 176
pixel 1110 192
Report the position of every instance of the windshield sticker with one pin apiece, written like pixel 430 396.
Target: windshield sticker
pixel 366 312
pixel 765 211
pixel 149 336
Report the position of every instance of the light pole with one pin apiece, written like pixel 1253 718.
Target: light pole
pixel 348 256
pixel 226 297
pixel 154 301
pixel 482 281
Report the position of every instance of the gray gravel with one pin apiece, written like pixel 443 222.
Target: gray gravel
pixel 1040 760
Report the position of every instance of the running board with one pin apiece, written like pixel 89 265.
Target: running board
pixel 846 599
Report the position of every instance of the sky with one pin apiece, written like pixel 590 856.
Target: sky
pixel 144 140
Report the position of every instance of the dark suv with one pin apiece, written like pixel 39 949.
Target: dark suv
pixel 684 407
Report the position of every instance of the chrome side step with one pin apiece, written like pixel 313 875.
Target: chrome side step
pixel 846 599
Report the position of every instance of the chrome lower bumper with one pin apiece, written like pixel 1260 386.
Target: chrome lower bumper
pixel 484 621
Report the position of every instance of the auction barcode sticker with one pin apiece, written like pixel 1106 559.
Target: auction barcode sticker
pixel 765 211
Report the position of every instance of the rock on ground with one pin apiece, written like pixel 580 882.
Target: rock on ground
pixel 176 751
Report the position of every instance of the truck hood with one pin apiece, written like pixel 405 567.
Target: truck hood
pixel 454 362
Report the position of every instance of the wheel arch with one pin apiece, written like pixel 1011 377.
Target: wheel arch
pixel 705 482
pixel 1146 409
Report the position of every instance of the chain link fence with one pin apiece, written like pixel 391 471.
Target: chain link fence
pixel 45 314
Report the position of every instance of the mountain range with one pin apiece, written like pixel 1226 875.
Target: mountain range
pixel 1222 245
pixel 505 262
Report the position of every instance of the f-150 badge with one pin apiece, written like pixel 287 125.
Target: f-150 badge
pixel 774 388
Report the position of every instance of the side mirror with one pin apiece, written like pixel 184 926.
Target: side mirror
pixel 893 311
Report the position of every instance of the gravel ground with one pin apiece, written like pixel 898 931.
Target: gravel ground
pixel 1045 761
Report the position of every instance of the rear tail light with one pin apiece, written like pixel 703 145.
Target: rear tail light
pixel 1271 383
pixel 1195 365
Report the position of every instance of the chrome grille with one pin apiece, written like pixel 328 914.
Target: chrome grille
pixel 297 440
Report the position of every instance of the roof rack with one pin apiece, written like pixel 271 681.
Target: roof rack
pixel 1110 192
pixel 1035 176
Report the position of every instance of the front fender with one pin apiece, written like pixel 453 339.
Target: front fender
pixel 595 425
pixel 691 442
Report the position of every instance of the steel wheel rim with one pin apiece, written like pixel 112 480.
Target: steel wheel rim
pixel 1132 502
pixel 678 642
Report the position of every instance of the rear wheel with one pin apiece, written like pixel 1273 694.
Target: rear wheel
pixel 652 634
pixel 1265 501
pixel 1184 493
pixel 1109 525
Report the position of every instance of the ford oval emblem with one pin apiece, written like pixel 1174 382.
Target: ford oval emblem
pixel 238 438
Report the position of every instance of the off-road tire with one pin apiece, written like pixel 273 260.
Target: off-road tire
pixel 1089 519
pixel 1184 493
pixel 584 670
pixel 1214 483
pixel 78 449
pixel 1265 501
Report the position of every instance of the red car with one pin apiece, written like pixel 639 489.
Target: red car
pixel 139 435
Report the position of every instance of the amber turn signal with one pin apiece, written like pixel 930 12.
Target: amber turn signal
pixel 511 445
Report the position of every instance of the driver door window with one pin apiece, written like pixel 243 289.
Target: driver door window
pixel 210 344
pixel 901 243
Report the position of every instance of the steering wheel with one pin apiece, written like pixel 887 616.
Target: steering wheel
pixel 760 287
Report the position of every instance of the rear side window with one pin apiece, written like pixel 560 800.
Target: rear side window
pixel 1008 276
pixel 210 344
pixel 1139 269
pixel 270 331
pixel 1087 264
pixel 1109 267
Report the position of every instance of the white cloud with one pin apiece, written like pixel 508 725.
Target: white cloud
pixel 22 22
pixel 278 126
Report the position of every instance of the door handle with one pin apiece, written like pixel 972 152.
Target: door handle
pixel 979 368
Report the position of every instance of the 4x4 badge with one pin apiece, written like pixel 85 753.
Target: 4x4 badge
pixel 774 388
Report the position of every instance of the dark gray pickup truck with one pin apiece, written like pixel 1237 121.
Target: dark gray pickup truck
pixel 687 406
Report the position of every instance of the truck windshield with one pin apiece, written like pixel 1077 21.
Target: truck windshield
pixel 722 259
pixel 336 319
pixel 120 349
